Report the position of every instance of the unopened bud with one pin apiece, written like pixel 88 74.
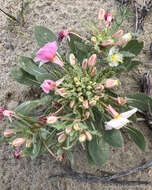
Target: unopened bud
pixel 88 135
pixel 92 60
pixel 82 138
pixel 93 39
pixel 111 83
pixel 72 59
pixel 9 133
pixel 76 127
pixel 28 144
pixel 101 14
pixel 107 43
pixel 62 138
pixel 68 130
pixel 118 34
pixel 92 102
pixel 18 142
pixel 72 103
pixel 51 119
pixel 81 98
pixel 85 104
pixel 84 64
pixel 87 114
pixel 100 87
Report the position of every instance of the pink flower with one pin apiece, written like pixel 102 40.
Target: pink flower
pixel 118 34
pixel 108 19
pixel 6 113
pixel 112 111
pixel 62 34
pixel 48 85
pixel 111 83
pixel 2 109
pixel 100 87
pixel 48 53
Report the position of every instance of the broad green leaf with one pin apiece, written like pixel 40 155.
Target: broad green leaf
pixel 30 67
pixel 137 137
pixel 131 64
pixel 23 77
pixel 43 35
pixel 98 150
pixel 37 144
pixel 133 46
pixel 41 77
pixel 27 107
pixel 140 101
pixel 113 138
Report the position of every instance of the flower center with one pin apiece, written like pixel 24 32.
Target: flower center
pixel 117 116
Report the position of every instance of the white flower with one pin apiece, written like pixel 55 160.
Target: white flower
pixel 120 120
pixel 127 37
pixel 114 57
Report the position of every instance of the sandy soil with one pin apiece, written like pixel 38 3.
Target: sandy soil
pixel 25 174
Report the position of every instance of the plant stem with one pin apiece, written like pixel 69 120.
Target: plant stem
pixel 10 16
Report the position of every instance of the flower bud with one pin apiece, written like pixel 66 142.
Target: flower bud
pixel 92 60
pixel 93 39
pixel 85 104
pixel 84 64
pixel 81 98
pixel 120 100
pixel 88 135
pixel 92 102
pixel 101 14
pixel 100 87
pixel 28 144
pixel 72 104
pixel 51 119
pixel 87 114
pixel 82 138
pixel 72 59
pixel 61 92
pixel 76 127
pixel 9 133
pixel 111 83
pixel 107 43
pixel 68 130
pixel 62 138
pixel 18 142
pixel 118 34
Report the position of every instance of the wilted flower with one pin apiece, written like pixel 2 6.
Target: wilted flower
pixel 9 133
pixel 62 34
pixel 111 83
pixel 51 119
pixel 48 53
pixel 92 60
pixel 17 154
pixel 48 85
pixel 114 57
pixel 82 138
pixel 62 138
pixel 120 120
pixel 2 109
pixel 6 113
pixel 42 119
pixel 18 142
pixel 108 19
pixel 101 14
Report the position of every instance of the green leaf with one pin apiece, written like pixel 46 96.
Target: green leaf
pixel 140 101
pixel 30 67
pixel 23 77
pixel 98 150
pixel 113 138
pixel 27 107
pixel 133 46
pixel 137 137
pixel 36 146
pixel 43 35
pixel 131 64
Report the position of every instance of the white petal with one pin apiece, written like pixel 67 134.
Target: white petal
pixel 116 123
pixel 128 114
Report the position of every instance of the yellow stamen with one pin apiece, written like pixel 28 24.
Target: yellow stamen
pixel 117 116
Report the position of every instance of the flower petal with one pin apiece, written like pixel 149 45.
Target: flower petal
pixel 116 123
pixel 129 113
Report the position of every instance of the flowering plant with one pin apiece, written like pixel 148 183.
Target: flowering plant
pixel 80 103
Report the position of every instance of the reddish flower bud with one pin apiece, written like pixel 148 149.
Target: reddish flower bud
pixel 107 43
pixel 17 154
pixel 18 142
pixel 42 119
pixel 2 109
pixel 92 60
pixel 85 104
pixel 51 119
pixel 84 64
pixel 101 14
pixel 62 34
pixel 118 34
pixel 100 87
pixel 9 133
pixel 111 83
pixel 62 138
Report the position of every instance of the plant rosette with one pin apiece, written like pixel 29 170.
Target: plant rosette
pixel 80 103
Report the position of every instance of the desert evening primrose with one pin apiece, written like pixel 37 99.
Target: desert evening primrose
pixel 114 57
